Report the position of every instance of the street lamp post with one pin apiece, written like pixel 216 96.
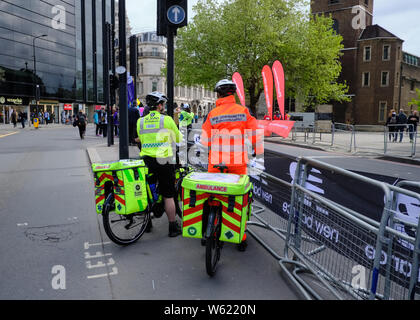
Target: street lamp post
pixel 34 77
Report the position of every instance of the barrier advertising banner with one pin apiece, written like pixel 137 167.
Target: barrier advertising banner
pixel 325 225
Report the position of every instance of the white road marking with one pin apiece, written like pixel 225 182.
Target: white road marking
pixel 22 224
pixel 100 264
pixel 113 273
pixel 88 245
pixel 97 255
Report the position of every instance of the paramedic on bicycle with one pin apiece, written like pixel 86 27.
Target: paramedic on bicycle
pixel 158 135
pixel 225 130
pixel 224 133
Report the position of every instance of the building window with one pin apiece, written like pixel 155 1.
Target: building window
pixel 385 79
pixel 413 85
pixel 367 54
pixel 155 52
pixel 154 86
pixel 382 110
pixel 366 79
pixel 140 89
pixel 386 53
pixel 141 68
pixel 333 1
pixel 336 26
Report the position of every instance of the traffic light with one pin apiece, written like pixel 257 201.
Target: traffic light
pixel 114 83
pixel 172 14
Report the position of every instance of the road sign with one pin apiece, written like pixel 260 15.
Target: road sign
pixel 176 14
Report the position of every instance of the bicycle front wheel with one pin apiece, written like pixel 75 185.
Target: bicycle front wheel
pixel 213 244
pixel 123 229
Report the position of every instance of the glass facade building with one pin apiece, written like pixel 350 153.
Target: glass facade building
pixel 56 44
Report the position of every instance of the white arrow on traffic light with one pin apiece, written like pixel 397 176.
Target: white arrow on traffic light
pixel 176 12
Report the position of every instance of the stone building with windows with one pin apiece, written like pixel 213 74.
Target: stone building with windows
pixel 152 56
pixel 381 76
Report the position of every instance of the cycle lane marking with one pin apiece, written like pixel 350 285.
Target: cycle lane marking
pixel 94 261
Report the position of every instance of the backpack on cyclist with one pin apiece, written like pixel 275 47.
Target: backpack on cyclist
pixel 234 192
pixel 127 180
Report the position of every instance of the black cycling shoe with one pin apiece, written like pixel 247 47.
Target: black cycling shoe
pixel 149 226
pixel 242 246
pixel 174 229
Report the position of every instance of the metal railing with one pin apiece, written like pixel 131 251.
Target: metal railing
pixel 348 254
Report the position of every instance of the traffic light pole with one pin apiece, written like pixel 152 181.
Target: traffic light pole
pixel 171 71
pixel 124 150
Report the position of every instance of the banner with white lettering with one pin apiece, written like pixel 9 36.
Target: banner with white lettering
pixel 333 230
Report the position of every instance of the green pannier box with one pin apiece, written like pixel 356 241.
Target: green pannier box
pixel 233 191
pixel 127 180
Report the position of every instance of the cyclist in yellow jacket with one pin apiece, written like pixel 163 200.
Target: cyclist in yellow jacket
pixel 158 135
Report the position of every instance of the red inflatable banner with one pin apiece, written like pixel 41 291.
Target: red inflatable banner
pixel 278 73
pixel 237 78
pixel 281 128
pixel 267 75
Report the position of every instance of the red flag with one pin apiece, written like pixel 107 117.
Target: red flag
pixel 237 78
pixel 281 127
pixel 278 73
pixel 267 75
pixel 264 125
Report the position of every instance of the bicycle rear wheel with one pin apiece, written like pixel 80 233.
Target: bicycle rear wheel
pixel 123 229
pixel 213 244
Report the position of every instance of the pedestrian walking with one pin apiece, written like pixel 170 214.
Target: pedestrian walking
pixel 80 122
pixel 391 123
pixel 22 119
pixel 96 121
pixel 402 123
pixel 413 121
pixel 47 117
pixel 133 116
pixel 63 117
pixel 103 122
pixel 14 118
pixel 116 117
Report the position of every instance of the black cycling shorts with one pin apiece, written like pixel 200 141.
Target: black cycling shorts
pixel 165 175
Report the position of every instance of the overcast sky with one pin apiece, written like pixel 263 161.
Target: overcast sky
pixel 401 18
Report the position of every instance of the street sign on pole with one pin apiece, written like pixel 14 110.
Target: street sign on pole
pixel 176 15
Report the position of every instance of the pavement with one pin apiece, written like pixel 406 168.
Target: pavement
pixel 368 144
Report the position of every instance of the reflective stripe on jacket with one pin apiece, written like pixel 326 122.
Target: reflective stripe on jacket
pixel 157 134
pixel 225 131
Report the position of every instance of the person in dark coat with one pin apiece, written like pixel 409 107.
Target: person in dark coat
pixel 133 116
pixel 402 121
pixel 413 121
pixel 391 123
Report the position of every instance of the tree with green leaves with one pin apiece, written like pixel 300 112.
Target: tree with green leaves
pixel 244 35
pixel 416 102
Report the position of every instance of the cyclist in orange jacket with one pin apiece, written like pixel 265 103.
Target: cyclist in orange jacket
pixel 225 131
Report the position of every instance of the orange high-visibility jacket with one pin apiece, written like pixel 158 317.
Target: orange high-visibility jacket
pixel 224 132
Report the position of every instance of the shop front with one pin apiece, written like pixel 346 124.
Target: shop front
pixel 8 104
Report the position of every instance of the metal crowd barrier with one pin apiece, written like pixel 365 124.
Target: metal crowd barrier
pixel 343 252
pixel 392 138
